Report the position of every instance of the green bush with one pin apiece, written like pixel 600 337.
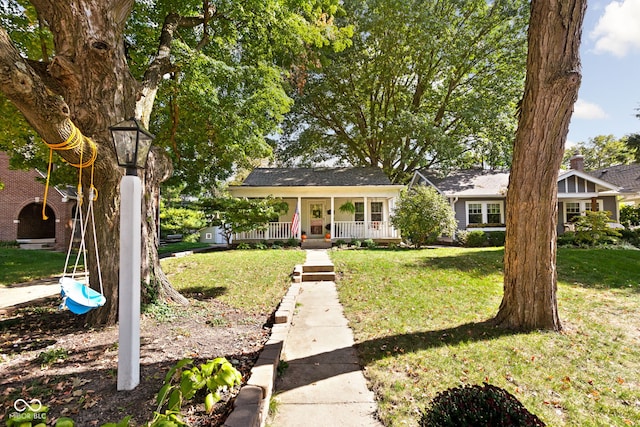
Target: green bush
pixel 341 242
pixel 422 214
pixel 630 215
pixel 496 238
pixel 244 245
pixel 291 242
pixel 476 239
pixel 356 243
pixel 631 237
pixel 475 405
pixel 369 243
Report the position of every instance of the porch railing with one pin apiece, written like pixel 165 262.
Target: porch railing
pixel 364 230
pixel 345 230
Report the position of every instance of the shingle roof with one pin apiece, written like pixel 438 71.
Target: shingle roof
pixel 625 176
pixel 315 177
pixel 470 182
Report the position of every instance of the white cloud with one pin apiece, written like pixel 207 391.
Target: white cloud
pixel 618 29
pixel 588 110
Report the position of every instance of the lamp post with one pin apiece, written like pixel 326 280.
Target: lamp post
pixel 132 143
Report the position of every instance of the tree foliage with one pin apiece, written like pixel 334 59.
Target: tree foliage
pixel 422 215
pixel 424 83
pixel 238 215
pixel 601 152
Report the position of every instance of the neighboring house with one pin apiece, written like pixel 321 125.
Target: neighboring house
pixel 21 210
pixel 627 177
pixel 478 196
pixel 317 194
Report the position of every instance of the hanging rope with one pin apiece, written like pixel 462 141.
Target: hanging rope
pixel 74 141
pixel 78 296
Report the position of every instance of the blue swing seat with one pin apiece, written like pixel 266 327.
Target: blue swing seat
pixel 78 297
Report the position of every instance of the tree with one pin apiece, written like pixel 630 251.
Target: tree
pixel 424 84
pixel 422 215
pixel 238 215
pixel 87 64
pixel 551 89
pixel 601 152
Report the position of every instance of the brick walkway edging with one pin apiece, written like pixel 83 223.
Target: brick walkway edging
pixel 251 407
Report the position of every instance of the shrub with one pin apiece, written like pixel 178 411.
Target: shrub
pixel 592 229
pixel 476 239
pixel 632 237
pixel 291 242
pixel 423 215
pixel 244 245
pixel 630 215
pixel 369 243
pixel 341 242
pixel 261 245
pixel 496 238
pixel 356 243
pixel 476 405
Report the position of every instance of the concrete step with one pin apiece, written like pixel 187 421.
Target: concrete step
pixel 319 276
pixel 315 244
pixel 314 268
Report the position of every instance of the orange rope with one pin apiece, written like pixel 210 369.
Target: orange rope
pixel 74 141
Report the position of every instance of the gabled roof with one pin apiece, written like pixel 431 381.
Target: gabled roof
pixel 627 177
pixel 584 175
pixel 470 182
pixel 316 177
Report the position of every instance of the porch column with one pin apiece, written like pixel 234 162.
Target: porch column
pixel 594 204
pixel 333 215
pixel 366 218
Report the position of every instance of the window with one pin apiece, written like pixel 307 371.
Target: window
pixel 572 210
pixel 578 207
pixel 494 213
pixel 359 215
pixel 376 211
pixel 475 213
pixel 489 213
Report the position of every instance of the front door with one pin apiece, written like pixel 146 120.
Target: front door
pixel 316 219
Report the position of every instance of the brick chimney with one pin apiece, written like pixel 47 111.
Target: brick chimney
pixel 577 162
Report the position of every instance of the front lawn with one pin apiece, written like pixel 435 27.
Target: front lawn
pixel 419 321
pixel 252 280
pixel 20 265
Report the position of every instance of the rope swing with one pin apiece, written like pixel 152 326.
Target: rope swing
pixel 77 295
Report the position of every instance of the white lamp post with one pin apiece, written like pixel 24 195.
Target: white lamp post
pixel 132 143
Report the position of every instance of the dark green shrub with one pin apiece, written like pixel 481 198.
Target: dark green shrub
pixel 475 405
pixel 356 243
pixel 291 242
pixel 567 239
pixel 496 238
pixel 630 215
pixel 369 243
pixel 341 242
pixel 476 239
pixel 631 236
pixel 244 245
pixel 261 245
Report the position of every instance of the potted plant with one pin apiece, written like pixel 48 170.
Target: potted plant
pixel 303 236
pixel 347 207
pixel 327 237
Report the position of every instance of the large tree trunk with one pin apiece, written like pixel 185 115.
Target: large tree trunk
pixel 551 89
pixel 88 84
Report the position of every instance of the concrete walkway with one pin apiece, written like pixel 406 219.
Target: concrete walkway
pixel 25 292
pixel 323 384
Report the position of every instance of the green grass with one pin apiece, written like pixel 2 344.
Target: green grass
pixel 181 247
pixel 419 318
pixel 252 280
pixel 19 265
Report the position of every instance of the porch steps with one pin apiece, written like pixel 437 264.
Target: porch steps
pixel 315 244
pixel 318 273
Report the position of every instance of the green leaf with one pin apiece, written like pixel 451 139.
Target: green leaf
pixel 175 400
pixel 66 422
pixel 209 402
pixel 163 393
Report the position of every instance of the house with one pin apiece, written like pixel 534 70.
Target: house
pixel 478 196
pixel 21 210
pixel 318 194
pixel 627 177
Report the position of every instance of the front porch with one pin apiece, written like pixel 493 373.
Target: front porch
pixel 379 231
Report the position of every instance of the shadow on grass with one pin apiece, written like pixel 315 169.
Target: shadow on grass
pixel 343 360
pixel 480 263
pixel 203 292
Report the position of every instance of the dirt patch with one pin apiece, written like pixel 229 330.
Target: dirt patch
pixel 52 356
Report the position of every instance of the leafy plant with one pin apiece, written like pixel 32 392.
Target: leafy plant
pixel 593 228
pixel 29 417
pixel 49 357
pixel 369 243
pixel 630 215
pixel 423 214
pixel 183 381
pixel 475 405
pixel 347 207
pixel 476 239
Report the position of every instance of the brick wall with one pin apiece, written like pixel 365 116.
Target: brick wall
pixel 23 193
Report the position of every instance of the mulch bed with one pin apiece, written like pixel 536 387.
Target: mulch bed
pixel 54 357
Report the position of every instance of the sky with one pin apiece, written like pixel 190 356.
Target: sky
pixel 610 54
